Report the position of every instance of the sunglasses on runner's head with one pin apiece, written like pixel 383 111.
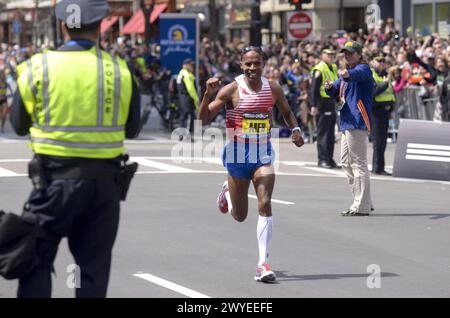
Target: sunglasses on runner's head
pixel 250 48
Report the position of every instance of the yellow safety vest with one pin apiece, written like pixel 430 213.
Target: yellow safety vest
pixel 140 61
pixel 78 101
pixel 327 75
pixel 3 89
pixel 388 94
pixel 189 82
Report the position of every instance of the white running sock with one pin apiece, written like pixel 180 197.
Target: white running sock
pixel 264 234
pixel 228 197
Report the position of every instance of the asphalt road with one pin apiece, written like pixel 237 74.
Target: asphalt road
pixel 173 242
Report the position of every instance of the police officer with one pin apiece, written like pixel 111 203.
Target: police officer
pixel 78 103
pixel 187 94
pixel 324 109
pixel 445 99
pixel 383 105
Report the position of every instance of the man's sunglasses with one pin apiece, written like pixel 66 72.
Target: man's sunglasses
pixel 250 48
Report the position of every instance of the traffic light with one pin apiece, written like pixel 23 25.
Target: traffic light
pixel 298 3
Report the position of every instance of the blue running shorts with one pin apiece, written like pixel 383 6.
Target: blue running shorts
pixel 242 159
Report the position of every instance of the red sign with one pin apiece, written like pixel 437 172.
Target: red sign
pixel 300 26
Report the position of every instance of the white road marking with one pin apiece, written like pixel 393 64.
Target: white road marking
pixel 150 141
pixel 176 172
pixel 298 163
pixel 161 166
pixel 213 160
pixel 173 169
pixel 273 200
pixel 428 158
pixel 428 146
pixel 7 173
pixel 329 171
pixel 429 152
pixel 15 160
pixel 172 286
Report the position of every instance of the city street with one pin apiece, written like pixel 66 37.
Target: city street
pixel 173 241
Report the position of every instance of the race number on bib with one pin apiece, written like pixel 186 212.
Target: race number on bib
pixel 256 123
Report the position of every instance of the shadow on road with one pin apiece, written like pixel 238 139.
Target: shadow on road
pixel 433 216
pixel 283 276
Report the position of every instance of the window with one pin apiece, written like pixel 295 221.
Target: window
pixel 423 18
pixel 353 19
pixel 443 18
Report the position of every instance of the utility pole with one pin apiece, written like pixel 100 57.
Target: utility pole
pixel 147 11
pixel 35 20
pixel 55 26
pixel 255 28
pixel 213 30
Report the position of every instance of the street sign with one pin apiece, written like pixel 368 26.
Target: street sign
pixel 299 26
pixel 179 40
pixel 179 37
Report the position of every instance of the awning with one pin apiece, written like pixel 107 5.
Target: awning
pixel 136 23
pixel 108 23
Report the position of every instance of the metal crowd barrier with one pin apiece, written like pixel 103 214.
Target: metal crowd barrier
pixel 412 103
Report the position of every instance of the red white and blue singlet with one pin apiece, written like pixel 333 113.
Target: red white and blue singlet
pixel 251 119
pixel 248 130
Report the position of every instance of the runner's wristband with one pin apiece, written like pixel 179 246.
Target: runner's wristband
pixel 297 128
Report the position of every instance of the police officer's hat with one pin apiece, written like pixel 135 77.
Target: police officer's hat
pixel 188 61
pixel 86 12
pixel 329 51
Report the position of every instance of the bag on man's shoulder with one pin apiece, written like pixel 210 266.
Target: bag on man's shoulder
pixel 19 236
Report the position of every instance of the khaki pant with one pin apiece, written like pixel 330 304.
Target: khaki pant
pixel 354 162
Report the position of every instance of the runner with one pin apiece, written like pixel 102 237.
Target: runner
pixel 248 155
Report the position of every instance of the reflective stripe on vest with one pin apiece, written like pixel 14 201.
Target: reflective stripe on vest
pixel 388 94
pixel 78 110
pixel 327 75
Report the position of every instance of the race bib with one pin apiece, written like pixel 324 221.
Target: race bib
pixel 256 123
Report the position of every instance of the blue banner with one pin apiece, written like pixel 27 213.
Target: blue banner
pixel 178 40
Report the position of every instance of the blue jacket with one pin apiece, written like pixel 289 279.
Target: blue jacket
pixel 358 91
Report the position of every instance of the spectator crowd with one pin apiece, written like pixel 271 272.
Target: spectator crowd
pixel 413 60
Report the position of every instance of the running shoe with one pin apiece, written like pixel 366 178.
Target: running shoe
pixel 264 274
pixel 222 199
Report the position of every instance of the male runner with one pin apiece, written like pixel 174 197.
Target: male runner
pixel 248 156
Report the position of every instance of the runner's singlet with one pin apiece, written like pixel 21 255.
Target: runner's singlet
pixel 250 121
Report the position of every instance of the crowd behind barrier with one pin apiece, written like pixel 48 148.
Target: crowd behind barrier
pixel 417 66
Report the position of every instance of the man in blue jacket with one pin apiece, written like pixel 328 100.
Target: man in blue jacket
pixel 354 91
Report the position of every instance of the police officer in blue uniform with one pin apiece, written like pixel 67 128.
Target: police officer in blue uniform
pixel 78 104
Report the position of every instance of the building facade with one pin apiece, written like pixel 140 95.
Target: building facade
pixel 233 18
pixel 32 21
pixel 430 16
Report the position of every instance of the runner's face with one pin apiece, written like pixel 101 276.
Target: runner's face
pixel 252 65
